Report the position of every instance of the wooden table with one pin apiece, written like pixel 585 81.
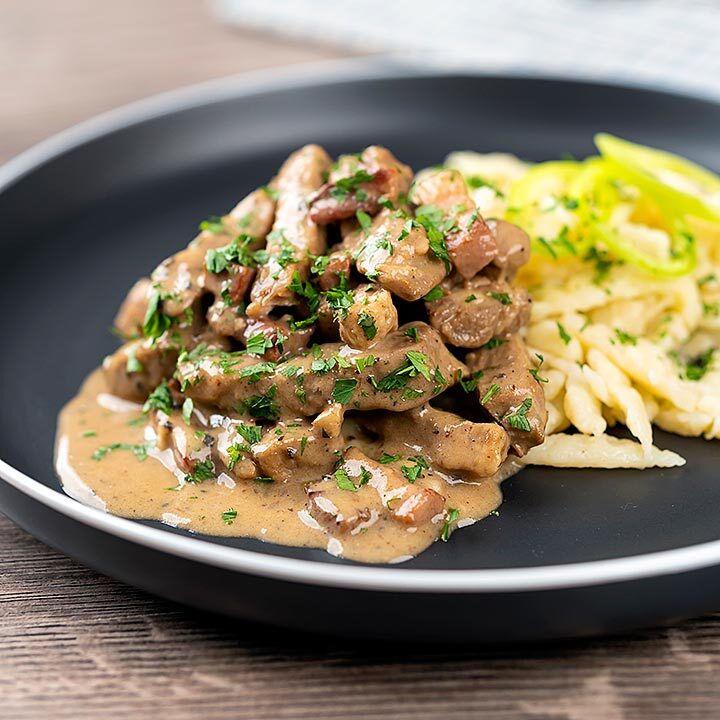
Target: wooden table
pixel 74 644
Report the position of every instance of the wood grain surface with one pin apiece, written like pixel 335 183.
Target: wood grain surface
pixel 74 644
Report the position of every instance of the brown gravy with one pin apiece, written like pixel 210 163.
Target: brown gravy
pixel 151 488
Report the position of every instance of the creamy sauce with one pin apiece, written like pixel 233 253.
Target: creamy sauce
pixel 153 489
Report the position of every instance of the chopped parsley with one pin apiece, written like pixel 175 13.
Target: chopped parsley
pixel 535 372
pixel 340 299
pixel 518 418
pixel 344 482
pixel 347 185
pixel 493 390
pixel 303 444
pixel 344 390
pixel 213 224
pixel 264 480
pixel 250 433
pixel 262 406
pixel 493 343
pixel 305 290
pixel 133 365
pixel 625 338
pixel 271 192
pixel 435 294
pixel 159 399
pixel 564 335
pixel 706 279
pixel 412 333
pixel 415 364
pixel 363 362
pixel 697 369
pixel 88 433
pixel 386 458
pixel 471 384
pixel 503 298
pixel 156 322
pixel 365 221
pixel 187 410
pixel 475 182
pixel 228 517
pixel 470 298
pixel 414 471
pixel 255 372
pixel 430 218
pixel 203 470
pixel 453 515
pixel 238 251
pixel 139 451
pixel 258 343
pixel 367 323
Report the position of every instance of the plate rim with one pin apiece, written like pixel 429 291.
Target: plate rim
pixel 311 572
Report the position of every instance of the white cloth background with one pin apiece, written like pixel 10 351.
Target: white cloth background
pixel 671 44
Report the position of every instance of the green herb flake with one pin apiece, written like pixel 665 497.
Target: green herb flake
pixel 159 399
pixel 344 390
pixel 133 365
pixel 187 410
pixel 386 458
pixel 367 322
pixel 435 294
pixel 412 333
pixel 213 224
pixel 625 338
pixel 470 298
pixel 517 419
pixel 203 470
pixel 564 335
pixel 453 515
pixel 492 391
pixel 88 433
pixel 503 298
pixel 139 451
pixel 414 471
pixel 229 516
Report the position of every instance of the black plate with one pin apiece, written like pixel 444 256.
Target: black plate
pixel 573 552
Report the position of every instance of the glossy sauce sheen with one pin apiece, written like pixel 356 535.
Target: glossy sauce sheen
pixel 124 485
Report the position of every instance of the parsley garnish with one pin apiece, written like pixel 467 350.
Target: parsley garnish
pixel 470 384
pixel 697 369
pixel 343 481
pixel 412 333
pixel 258 343
pixel 133 365
pixel 386 458
pixel 452 517
pixel 139 451
pixel 228 517
pixel 475 182
pixel 535 372
pixel 493 343
pixel 271 192
pixel 340 298
pixel 344 186
pixel 344 389
pixel 305 290
pixel 431 219
pixel 213 224
pixel 625 338
pixel 414 364
pixel 156 322
pixel 503 298
pixel 493 390
pixel 564 335
pixel 518 419
pixel 187 410
pixel 238 251
pixel 470 298
pixel 367 323
pixel 363 362
pixel 203 470
pixel 413 472
pixel 365 221
pixel 262 407
pixel 251 433
pixel 435 294
pixel 159 399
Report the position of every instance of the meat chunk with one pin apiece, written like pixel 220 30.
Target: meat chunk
pixel 253 216
pixel 225 320
pixel 337 268
pixel 450 442
pixel 294 238
pixel 134 370
pixel 363 492
pixel 189 445
pixel 130 316
pixel 483 309
pixel 369 319
pixel 395 252
pixel 470 242
pixel 299 452
pixel 358 184
pixel 281 340
pixel 511 393
pixel 513 246
pixel 402 373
